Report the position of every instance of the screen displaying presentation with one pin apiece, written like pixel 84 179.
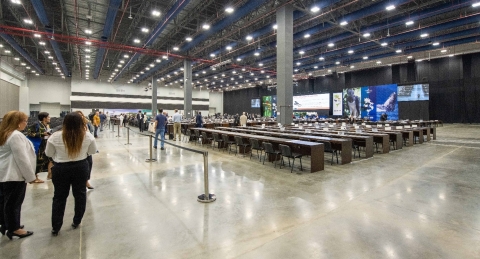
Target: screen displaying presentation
pixel 255 103
pixel 311 102
pixel 408 93
pixel 370 102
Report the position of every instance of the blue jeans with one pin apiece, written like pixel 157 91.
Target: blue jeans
pixel 162 135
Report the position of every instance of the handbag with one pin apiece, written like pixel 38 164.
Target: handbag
pixel 36 143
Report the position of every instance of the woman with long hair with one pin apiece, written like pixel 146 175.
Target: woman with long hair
pixel 17 167
pixel 69 149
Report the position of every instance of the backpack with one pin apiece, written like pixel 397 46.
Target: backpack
pixel 90 116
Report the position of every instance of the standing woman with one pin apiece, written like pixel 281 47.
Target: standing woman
pixel 69 149
pixel 17 167
pixel 39 132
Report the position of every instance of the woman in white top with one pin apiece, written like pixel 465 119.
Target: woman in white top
pixel 69 149
pixel 17 167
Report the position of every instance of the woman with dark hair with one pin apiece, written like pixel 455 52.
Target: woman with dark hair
pixel 69 149
pixel 39 133
pixel 17 167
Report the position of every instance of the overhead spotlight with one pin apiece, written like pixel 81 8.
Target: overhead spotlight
pixel 249 38
pixel 136 41
pixel 257 54
pixel 315 9
pixel 126 56
pixel 175 48
pixel 145 30
pixel 301 52
pixel 366 35
pixel 398 51
pixel 152 65
pixel 343 23
pixel 27 21
pixel 298 63
pixel 42 43
pixel 212 55
pixel 443 50
pixel 275 26
pixel 384 44
pixel 390 7
pixel 17 58
pixel 229 48
pixel 239 59
pixel 476 4
pixel 352 66
pixel 424 35
pixel 408 23
pixel 206 26
pixel 321 58
pixel 337 63
pixel 158 60
pixel 188 39
pixel 410 57
pixel 331 44
pixel 436 43
pixel 88 31
pixel 156 13
pixel 350 52
pixel 365 58
pixel 306 36
pixel 229 9
pixel 451 55
pixel 36 35
pixel 88 43
pixel 315 67
pixel 16 2
pixel 379 62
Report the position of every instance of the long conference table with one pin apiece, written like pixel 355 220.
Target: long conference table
pixel 314 149
pixel 344 145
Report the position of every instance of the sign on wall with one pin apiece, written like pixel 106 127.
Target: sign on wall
pixel 338 104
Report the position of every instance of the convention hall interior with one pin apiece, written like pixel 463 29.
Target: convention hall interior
pixel 327 128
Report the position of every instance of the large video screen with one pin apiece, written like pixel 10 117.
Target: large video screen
pixel 311 102
pixel 370 102
pixel 269 106
pixel 408 93
pixel 255 103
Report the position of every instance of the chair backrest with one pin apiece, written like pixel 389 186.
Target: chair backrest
pixel 204 134
pixel 216 137
pixel 197 133
pixel 286 151
pixel 238 140
pixel 254 143
pixel 225 138
pixel 327 147
pixel 268 147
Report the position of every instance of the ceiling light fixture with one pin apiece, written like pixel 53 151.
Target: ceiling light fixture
pixel 229 9
pixel 436 43
pixel 321 58
pixel 188 39
pixel 365 58
pixel 398 51
pixel 145 30
pixel 331 44
pixel 306 36
pixel 36 35
pixel 275 27
pixel 350 52
pixel 366 35
pixel 379 62
pixel 175 48
pixel 315 9
pixel 409 23
pixel 384 44
pixel 249 38
pixel 443 50
pixel 424 35
pixel 156 13
pixel 390 7
pixel 88 31
pixel 136 41
pixel 27 21
pixel 206 26
pixel 229 47
pixel 476 4
pixel 301 52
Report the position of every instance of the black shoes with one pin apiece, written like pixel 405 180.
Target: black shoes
pixel 10 235
pixel 90 187
pixel 3 229
pixel 75 226
pixel 54 232
pixel 162 148
pixel 155 147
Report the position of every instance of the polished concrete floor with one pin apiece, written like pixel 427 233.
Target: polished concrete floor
pixel 418 202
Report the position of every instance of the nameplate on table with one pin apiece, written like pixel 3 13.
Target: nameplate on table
pixel 374 130
pixel 357 127
pixel 407 126
pixel 341 133
pixel 369 126
pixel 300 127
pixel 310 125
pixel 282 129
pixel 279 124
pixel 386 125
pixel 414 126
pixel 296 125
pixel 363 124
pixel 358 131
pixel 379 125
pixel 263 126
pixel 317 126
pixel 331 126
pixel 308 131
pixel 343 128
pixel 325 129
pixel 388 128
pixel 399 127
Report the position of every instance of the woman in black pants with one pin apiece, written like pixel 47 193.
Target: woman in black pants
pixel 69 149
pixel 17 166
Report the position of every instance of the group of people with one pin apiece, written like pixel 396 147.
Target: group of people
pixel 67 152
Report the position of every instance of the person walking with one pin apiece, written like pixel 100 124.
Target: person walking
pixel 96 123
pixel 120 122
pixel 177 125
pixel 102 120
pixel 140 121
pixel 17 167
pixel 199 120
pixel 160 123
pixel 69 149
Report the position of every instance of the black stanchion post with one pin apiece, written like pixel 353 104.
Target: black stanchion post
pixel 118 129
pixel 206 197
pixel 113 125
pixel 151 159
pixel 128 136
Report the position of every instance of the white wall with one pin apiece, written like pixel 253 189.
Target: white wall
pixel 216 100
pixel 49 89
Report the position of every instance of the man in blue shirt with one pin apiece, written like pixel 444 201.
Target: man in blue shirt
pixel 177 124
pixel 103 117
pixel 160 122
pixel 199 120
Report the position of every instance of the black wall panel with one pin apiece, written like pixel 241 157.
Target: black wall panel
pixel 454 88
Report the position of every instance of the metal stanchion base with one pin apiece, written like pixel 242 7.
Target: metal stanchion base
pixel 211 198
pixel 128 144
pixel 150 160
